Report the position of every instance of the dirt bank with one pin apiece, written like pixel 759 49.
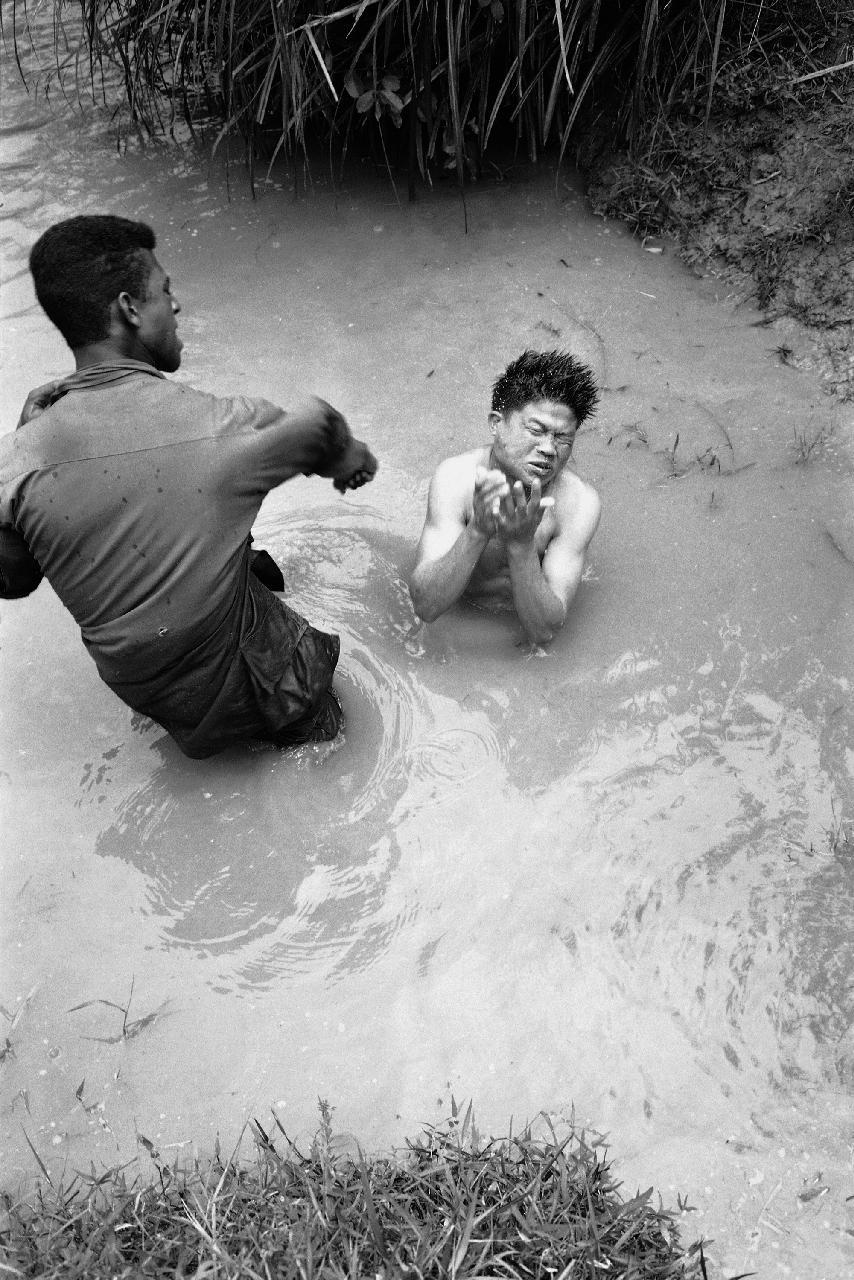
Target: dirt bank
pixel 761 196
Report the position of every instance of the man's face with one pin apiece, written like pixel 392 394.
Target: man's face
pixel 158 330
pixel 534 442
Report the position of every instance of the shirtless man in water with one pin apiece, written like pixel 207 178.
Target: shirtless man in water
pixel 511 517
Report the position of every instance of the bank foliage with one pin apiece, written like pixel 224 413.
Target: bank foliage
pixel 429 85
pixel 453 1205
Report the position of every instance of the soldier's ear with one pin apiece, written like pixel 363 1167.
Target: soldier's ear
pixel 495 420
pixel 128 309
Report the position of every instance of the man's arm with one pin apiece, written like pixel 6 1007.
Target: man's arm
pixel 20 573
pixel 450 546
pixel 310 439
pixel 542 592
pixel 19 570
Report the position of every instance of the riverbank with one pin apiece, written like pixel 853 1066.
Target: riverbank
pixel 759 196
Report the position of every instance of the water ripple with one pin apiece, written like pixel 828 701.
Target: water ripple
pixel 455 756
pixel 281 859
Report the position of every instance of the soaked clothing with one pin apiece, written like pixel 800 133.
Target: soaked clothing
pixel 263 673
pixel 135 496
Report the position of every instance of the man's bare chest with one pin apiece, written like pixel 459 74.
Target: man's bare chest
pixel 493 559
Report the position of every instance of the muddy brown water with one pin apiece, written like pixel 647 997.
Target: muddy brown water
pixel 612 879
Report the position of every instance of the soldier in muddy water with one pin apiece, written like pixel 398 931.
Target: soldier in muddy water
pixel 135 497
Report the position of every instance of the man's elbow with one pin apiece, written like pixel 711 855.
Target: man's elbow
pixel 426 612
pixel 543 630
pixel 541 635
pixel 427 609
pixel 421 605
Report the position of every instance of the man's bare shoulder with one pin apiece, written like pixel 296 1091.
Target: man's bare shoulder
pixel 453 479
pixel 577 506
pixel 461 467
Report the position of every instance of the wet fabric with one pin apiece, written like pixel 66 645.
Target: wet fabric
pixel 135 496
pixel 265 673
pixel 266 570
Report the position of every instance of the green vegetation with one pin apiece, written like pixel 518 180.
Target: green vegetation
pixel 453 1205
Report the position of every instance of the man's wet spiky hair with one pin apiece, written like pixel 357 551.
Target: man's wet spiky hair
pixel 547 375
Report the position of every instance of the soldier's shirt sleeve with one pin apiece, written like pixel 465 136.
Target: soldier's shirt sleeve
pixel 19 570
pixel 277 444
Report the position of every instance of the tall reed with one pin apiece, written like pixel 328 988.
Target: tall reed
pixel 433 84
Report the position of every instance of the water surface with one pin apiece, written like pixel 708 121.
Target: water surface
pixel 612 879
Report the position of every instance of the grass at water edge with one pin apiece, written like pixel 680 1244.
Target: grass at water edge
pixel 452 1203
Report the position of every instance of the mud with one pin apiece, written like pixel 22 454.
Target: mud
pixel 758 197
pixel 613 880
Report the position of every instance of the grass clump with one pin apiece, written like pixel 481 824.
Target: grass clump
pixel 451 1205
